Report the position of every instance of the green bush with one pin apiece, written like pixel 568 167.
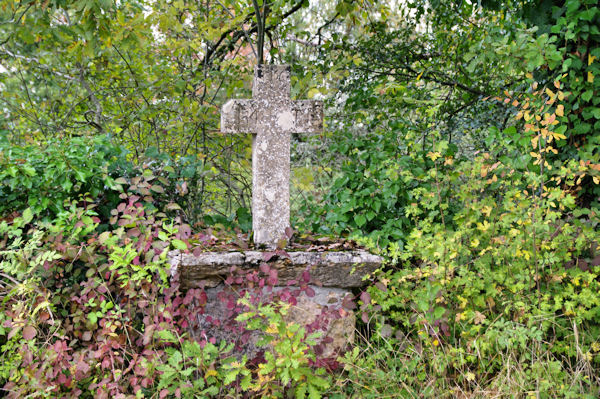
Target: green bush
pixel 43 176
pixel 373 189
pixel 503 296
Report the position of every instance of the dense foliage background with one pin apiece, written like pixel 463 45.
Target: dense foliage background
pixel 461 142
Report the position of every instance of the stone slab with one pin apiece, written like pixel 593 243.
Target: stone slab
pixel 331 269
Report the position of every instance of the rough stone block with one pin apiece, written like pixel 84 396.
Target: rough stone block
pixel 330 269
pixel 335 272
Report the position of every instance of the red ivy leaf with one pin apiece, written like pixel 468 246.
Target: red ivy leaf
pixel 202 298
pixel 348 303
pixel 29 332
pixel 82 366
pixel 265 268
pixel 306 276
pixel 310 292
pixel 272 281
pixel 381 286
pixel 289 232
pixel 365 297
pixel 364 317
pixel 268 255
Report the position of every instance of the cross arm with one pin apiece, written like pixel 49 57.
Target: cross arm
pixel 239 116
pixel 308 116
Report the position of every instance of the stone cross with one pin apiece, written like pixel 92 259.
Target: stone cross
pixel 272 117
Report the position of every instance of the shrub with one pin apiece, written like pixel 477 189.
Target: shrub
pixel 89 310
pixel 502 295
pixel 42 177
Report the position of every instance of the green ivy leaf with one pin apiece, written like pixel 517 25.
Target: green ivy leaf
pixel 178 244
pixel 360 220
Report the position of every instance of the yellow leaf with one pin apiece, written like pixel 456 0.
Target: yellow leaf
pixel 560 110
pixel 211 373
pixel 596 179
pixel 557 84
pixel 433 155
pixel 590 77
pixel 591 59
pixel 549 93
pixel 483 226
pixel 486 210
pixel 561 95
pixel 272 329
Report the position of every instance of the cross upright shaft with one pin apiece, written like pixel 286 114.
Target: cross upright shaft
pixel 272 117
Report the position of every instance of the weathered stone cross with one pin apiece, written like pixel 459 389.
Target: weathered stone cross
pixel 272 117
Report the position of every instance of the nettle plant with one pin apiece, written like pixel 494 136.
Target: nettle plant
pixel 89 309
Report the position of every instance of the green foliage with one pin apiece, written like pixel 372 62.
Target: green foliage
pixel 88 309
pixel 190 370
pixel 43 176
pixel 579 39
pixel 504 296
pixel 288 356
pixel 372 193
pixel 489 223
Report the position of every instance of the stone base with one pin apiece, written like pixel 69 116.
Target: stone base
pixel 332 275
pixel 321 312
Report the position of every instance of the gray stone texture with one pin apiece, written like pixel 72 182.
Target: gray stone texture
pixel 333 272
pixel 272 117
pixel 331 269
